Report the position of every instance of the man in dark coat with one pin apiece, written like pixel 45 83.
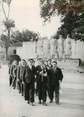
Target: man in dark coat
pixel 14 74
pixel 20 76
pixel 49 72
pixel 13 57
pixel 11 75
pixel 29 83
pixel 57 77
pixel 42 83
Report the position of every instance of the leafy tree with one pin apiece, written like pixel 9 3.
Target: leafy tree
pixel 5 42
pixel 78 32
pixel 8 23
pixel 73 26
pixel 29 35
pixel 17 36
pixel 24 36
pixel 69 23
pixel 70 10
pixel 51 7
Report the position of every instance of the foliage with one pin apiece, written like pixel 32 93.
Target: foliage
pixel 51 7
pixel 72 12
pixel 79 30
pixel 25 35
pixel 4 39
pixel 9 24
pixel 17 38
pixel 69 23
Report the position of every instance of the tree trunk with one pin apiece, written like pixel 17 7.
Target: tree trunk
pixel 57 49
pixel 70 48
pixel 6 53
pixel 7 43
pixel 48 50
pixel 36 48
pixel 63 52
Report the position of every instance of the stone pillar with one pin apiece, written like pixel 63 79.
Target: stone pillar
pixel 48 49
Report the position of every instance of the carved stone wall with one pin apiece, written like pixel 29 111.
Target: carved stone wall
pixel 50 48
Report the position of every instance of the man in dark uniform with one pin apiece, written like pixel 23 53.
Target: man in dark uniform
pixel 20 76
pixel 33 73
pixel 29 83
pixel 50 85
pixel 42 82
pixel 12 58
pixel 14 74
pixel 11 75
pixel 57 77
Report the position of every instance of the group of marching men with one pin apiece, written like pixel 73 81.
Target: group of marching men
pixel 31 80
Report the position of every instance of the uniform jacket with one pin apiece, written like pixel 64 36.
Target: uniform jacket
pixel 41 79
pixel 14 57
pixel 54 76
pixel 29 75
pixel 21 73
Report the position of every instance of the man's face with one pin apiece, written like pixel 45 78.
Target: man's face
pixel 23 63
pixel 33 62
pixel 54 65
pixel 40 62
pixel 14 62
pixel 46 63
pixel 49 63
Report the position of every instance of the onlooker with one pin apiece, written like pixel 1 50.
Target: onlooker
pixel 13 57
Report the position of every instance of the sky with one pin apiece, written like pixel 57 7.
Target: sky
pixel 26 14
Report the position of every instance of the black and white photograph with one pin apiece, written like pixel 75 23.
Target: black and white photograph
pixel 41 58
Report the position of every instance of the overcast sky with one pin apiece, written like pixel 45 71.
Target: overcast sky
pixel 26 14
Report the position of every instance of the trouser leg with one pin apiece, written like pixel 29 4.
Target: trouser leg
pixel 51 93
pixel 36 88
pixel 40 94
pixel 22 89
pixel 27 92
pixel 14 83
pixel 48 92
pixel 31 93
pixel 10 80
pixel 20 83
pixel 57 95
pixel 44 94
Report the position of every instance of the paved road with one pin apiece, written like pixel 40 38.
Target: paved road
pixel 12 104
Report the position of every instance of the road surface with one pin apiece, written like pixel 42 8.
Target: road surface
pixel 12 104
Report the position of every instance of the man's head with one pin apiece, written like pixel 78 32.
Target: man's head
pixel 49 62
pixel 14 63
pixel 14 51
pixel 31 62
pixel 40 61
pixel 23 62
pixel 54 64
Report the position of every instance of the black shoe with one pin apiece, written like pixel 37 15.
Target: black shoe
pixel 40 102
pixel 44 103
pixel 28 102
pixel 57 102
pixel 32 104
pixel 51 101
